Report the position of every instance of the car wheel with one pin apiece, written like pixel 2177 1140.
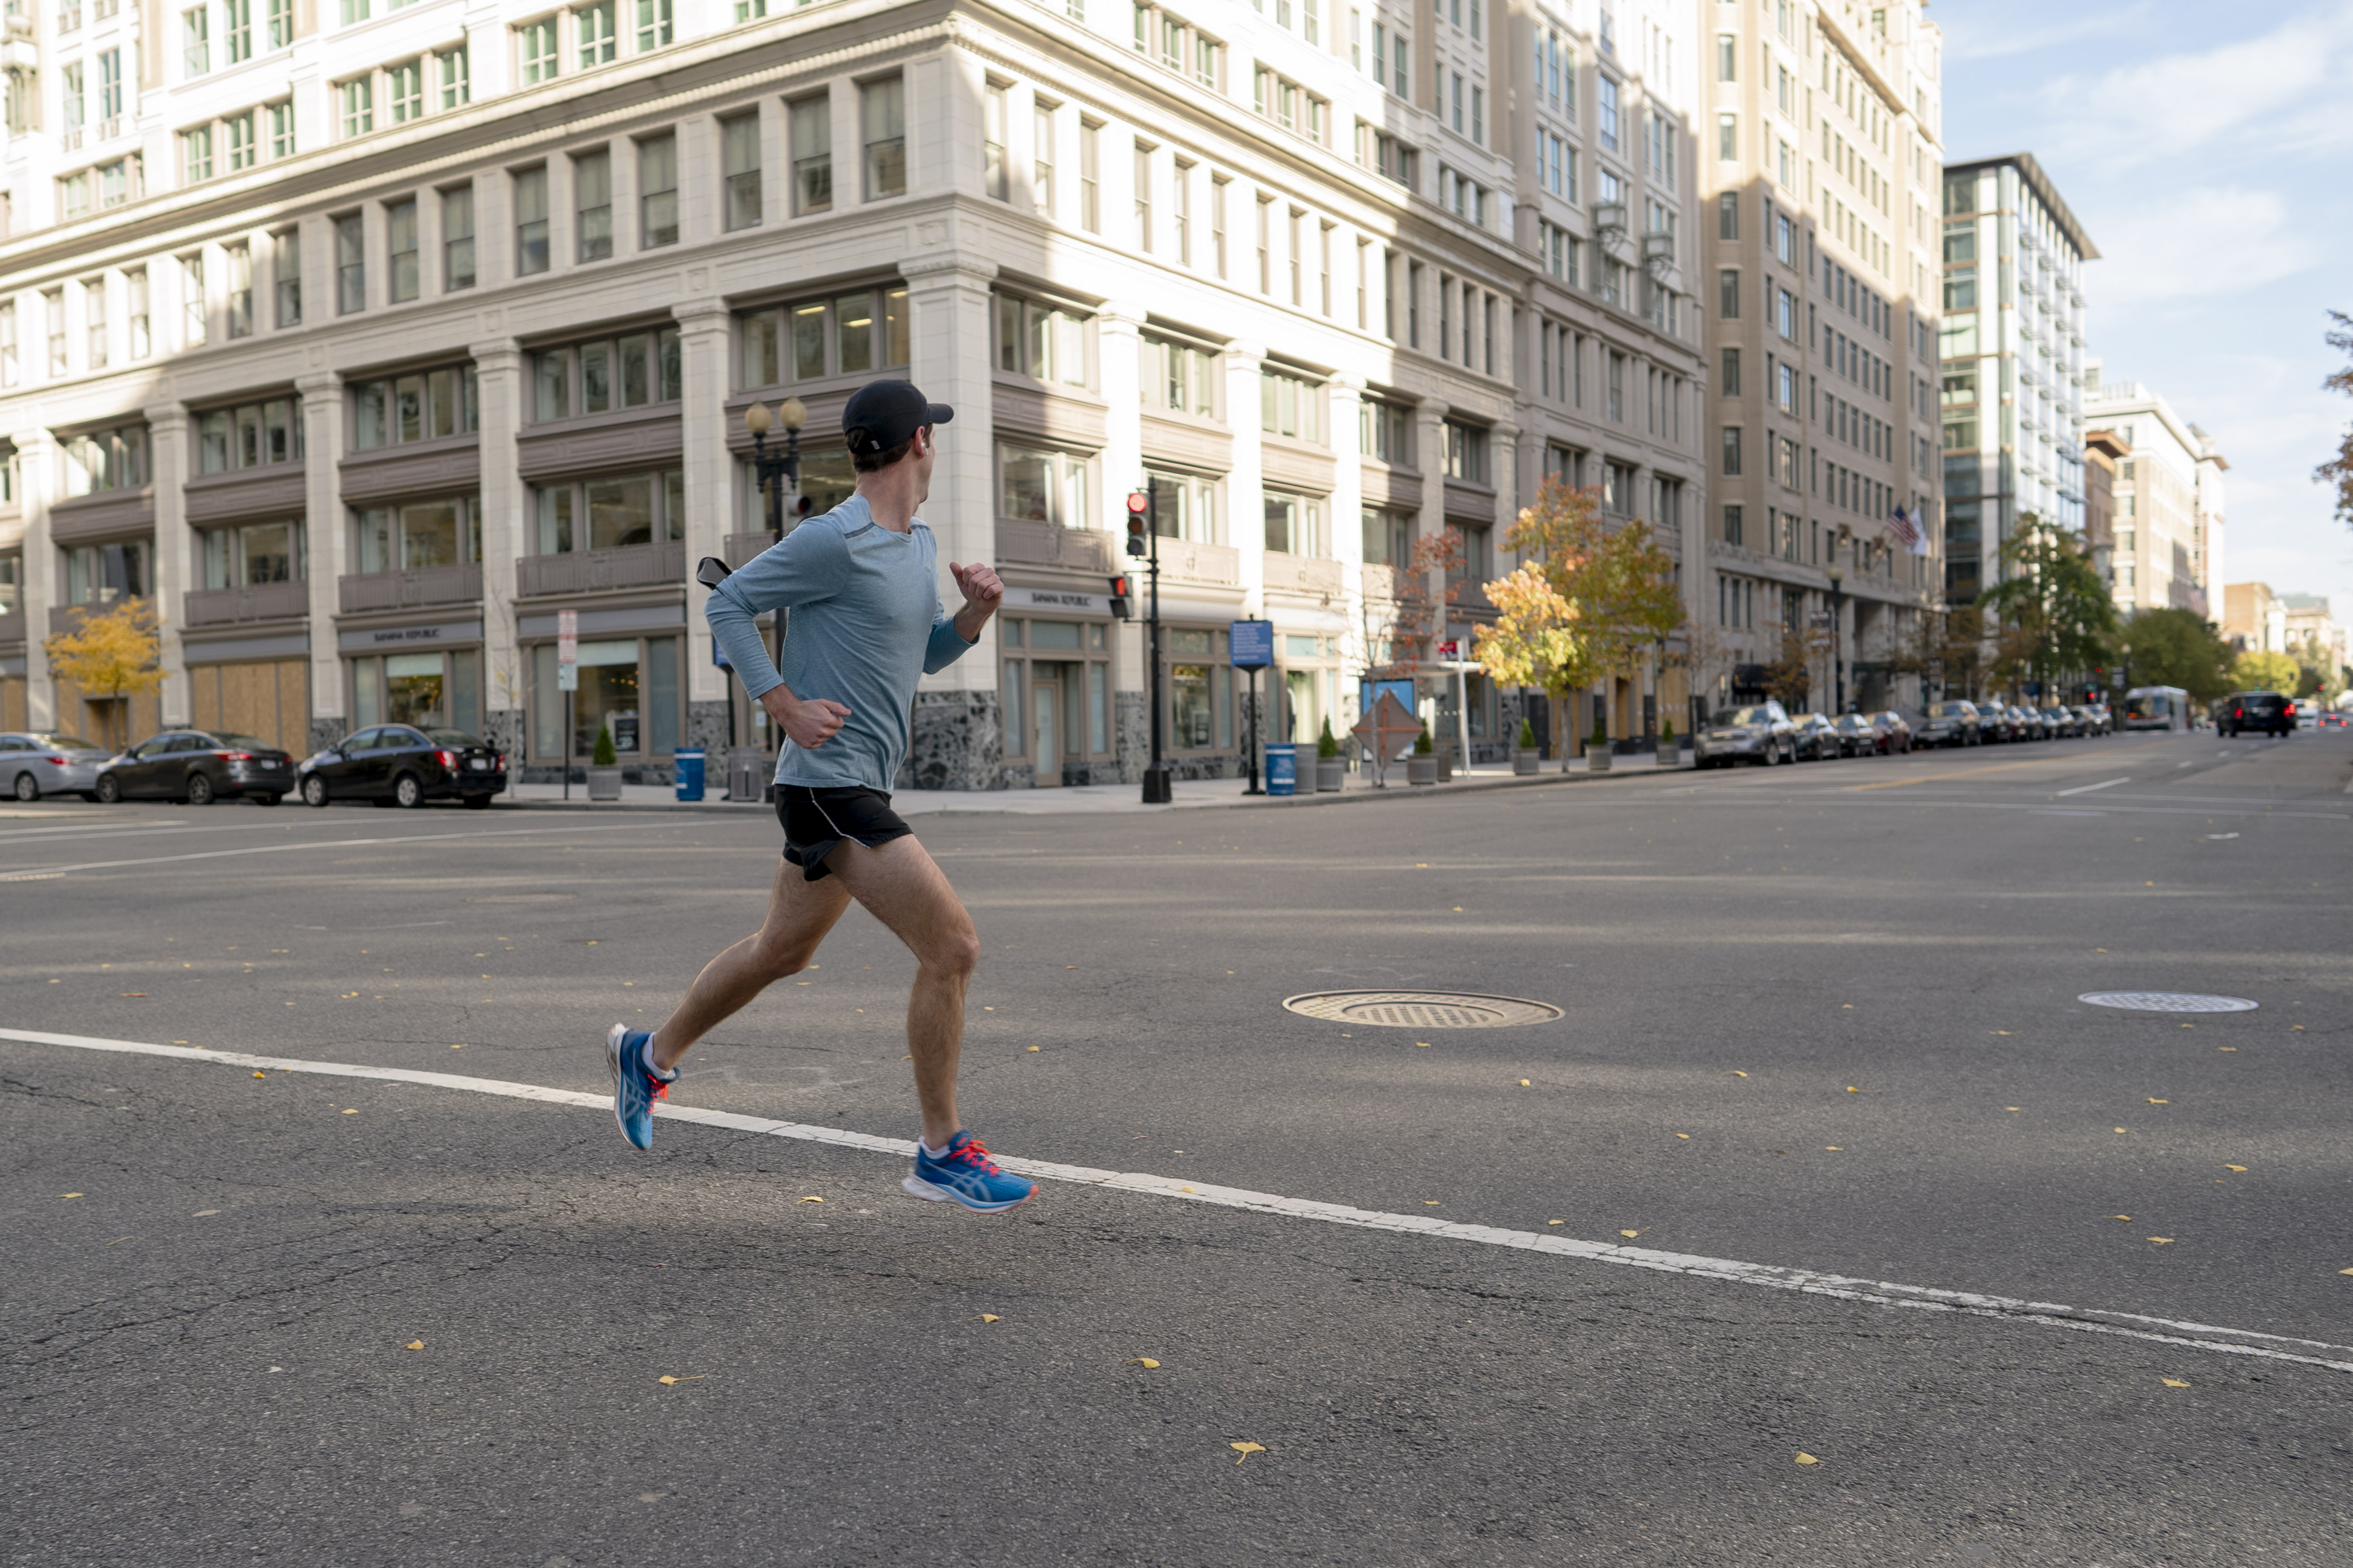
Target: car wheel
pixel 407 792
pixel 478 803
pixel 109 791
pixel 28 788
pixel 314 791
pixel 200 789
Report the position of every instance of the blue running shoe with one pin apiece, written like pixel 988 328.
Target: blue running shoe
pixel 966 1175
pixel 635 1085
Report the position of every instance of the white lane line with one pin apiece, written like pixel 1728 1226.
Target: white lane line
pixel 44 872
pixel 1876 1293
pixel 2086 789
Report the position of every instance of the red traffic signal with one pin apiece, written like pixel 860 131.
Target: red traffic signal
pixel 1120 607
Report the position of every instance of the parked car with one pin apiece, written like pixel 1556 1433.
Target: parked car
pixel 1858 737
pixel 2059 721
pixel 1759 734
pixel 2030 724
pixel 2106 716
pixel 44 762
pixel 2261 712
pixel 198 766
pixel 2087 719
pixel 400 765
pixel 1894 731
pixel 1816 739
pixel 1953 723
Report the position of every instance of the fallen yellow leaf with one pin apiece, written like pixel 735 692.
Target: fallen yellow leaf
pixel 1996 1031
pixel 2160 1102
pixel 2175 1382
pixel 75 1194
pixel 1832 1149
pixel 1628 1234
pixel 1738 1073
pixel 1033 1047
pixel 1564 1222
pixel 666 1378
pixel 2162 1240
pixel 2120 1129
pixel 1147 1364
pixel 2013 1108
pixel 2340 1271
pixel 414 1345
pixel 1683 1135
pixel 1246 1450
pixel 202 1213
pixel 2234 1048
pixel 1457 909
pixel 2235 1167
pixel 1432 1202
pixel 2122 1216
pixel 1525 1084
pixel 1423 1044
pixel 261 1074
pixel 812 1200
pixel 1852 1090
pixel 2099 950
pixel 350 1113
pixel 1805 1458
pixel 986 1317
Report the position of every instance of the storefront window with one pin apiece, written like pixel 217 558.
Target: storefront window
pixel 444 533
pixel 438 690
pixel 1058 704
pixel 1201 691
pixel 630 685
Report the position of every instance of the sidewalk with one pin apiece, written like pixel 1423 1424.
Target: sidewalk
pixel 1191 794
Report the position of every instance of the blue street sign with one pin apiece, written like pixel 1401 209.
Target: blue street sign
pixel 1252 643
pixel 1401 690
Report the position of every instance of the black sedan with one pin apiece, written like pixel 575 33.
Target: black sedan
pixel 198 766
pixel 1951 723
pixel 1894 731
pixel 1818 738
pixel 398 764
pixel 1857 736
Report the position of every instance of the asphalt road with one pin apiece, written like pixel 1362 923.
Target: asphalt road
pixel 1822 1018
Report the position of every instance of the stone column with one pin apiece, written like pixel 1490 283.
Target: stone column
pixel 506 519
pixel 36 472
pixel 958 740
pixel 703 329
pixel 326 555
pixel 1347 504
pixel 1245 481
pixel 167 446
pixel 1430 452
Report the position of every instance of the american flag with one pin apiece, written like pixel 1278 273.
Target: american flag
pixel 1905 526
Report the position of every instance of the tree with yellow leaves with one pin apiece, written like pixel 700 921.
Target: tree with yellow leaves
pixel 111 657
pixel 1534 641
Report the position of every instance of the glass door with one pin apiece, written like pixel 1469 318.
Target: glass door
pixel 1045 703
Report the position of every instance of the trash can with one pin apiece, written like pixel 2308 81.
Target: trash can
pixel 1281 768
pixel 689 773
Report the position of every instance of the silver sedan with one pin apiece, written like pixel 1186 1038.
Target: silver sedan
pixel 38 762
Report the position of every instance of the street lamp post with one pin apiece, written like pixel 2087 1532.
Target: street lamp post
pixel 1145 503
pixel 1837 637
pixel 774 471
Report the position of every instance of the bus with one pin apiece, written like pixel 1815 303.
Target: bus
pixel 2156 708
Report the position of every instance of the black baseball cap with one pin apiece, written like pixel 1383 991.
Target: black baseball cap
pixel 882 414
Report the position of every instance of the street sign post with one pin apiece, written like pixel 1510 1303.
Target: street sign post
pixel 1250 645
pixel 567 680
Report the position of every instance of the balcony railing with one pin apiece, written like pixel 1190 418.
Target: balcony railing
pixel 588 571
pixel 740 548
pixel 252 602
pixel 1301 574
pixel 1044 545
pixel 1213 565
pixel 459 584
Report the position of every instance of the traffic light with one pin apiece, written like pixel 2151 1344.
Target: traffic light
pixel 1120 607
pixel 1137 544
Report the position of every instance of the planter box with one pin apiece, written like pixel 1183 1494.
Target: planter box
pixel 1331 774
pixel 1524 762
pixel 1421 770
pixel 604 783
pixel 1445 767
pixel 1596 759
pixel 1670 754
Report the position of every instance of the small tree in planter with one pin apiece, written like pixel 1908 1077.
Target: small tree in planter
pixel 1524 748
pixel 604 767
pixel 1421 768
pixel 1597 747
pixel 1667 758
pixel 1330 771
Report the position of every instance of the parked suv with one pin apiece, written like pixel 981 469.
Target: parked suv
pixel 1953 723
pixel 2263 712
pixel 1759 734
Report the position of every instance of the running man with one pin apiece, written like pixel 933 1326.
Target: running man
pixel 866 623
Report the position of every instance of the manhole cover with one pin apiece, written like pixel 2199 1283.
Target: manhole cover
pixel 2168 1002
pixel 1421 1009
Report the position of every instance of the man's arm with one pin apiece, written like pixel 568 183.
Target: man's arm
pixel 952 635
pixel 785 574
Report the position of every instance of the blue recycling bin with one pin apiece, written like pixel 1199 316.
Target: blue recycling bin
pixel 689 773
pixel 1281 768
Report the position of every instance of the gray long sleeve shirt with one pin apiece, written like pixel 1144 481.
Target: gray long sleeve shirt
pixel 866 624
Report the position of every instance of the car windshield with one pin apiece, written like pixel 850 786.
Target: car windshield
pixel 1949 711
pixel 1728 716
pixel 243 742
pixel 65 743
pixel 452 738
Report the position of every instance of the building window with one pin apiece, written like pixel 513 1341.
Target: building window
pixel 237 30
pixel 658 190
pixel 1608 96
pixel 1731 378
pixel 358 101
pixel 93 317
pixel 134 287
pixel 196 39
pixel 254 553
pixel 635 370
pixel 193 316
pixel 812 153
pixel 1040 341
pixel 655 25
pixel 1732 528
pixel 611 513
pixel 1293 523
pixel 1466 452
pixel 101 461
pixel 592 198
pixel 281 130
pixel 400 250
pixel 351 264
pixel 1178 376
pixel 458 236
pixel 1732 450
pixel 419 536
pixel 404 91
pixel 242 152
pixel 593 33
pixel 848 334
pixel 197 154
pixel 739 148
pixel 456 77
pixel 1287 405
pixel 1090 177
pixel 536 43
pixel 1201 691
pixel 996 180
pixel 1385 431
pixel 1041 161
pixel 420 405
pixel 110 86
pixel 240 257
pixel 106 574
pixel 286 263
pixel 1038 485
pixel 1727 294
pixel 249 436
pixel 278 18
pixel 882 111
pixel 1144 198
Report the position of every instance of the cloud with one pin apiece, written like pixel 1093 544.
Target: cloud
pixel 1987 35
pixel 2201 241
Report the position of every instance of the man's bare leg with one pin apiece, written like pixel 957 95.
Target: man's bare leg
pixel 901 885
pixel 800 913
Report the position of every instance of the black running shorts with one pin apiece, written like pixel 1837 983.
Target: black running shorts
pixel 816 821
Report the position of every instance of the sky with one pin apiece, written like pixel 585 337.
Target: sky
pixel 2206 151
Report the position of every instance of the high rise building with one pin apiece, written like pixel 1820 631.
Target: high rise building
pixel 1820 164
pixel 2169 508
pixel 2012 347
pixel 364 339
